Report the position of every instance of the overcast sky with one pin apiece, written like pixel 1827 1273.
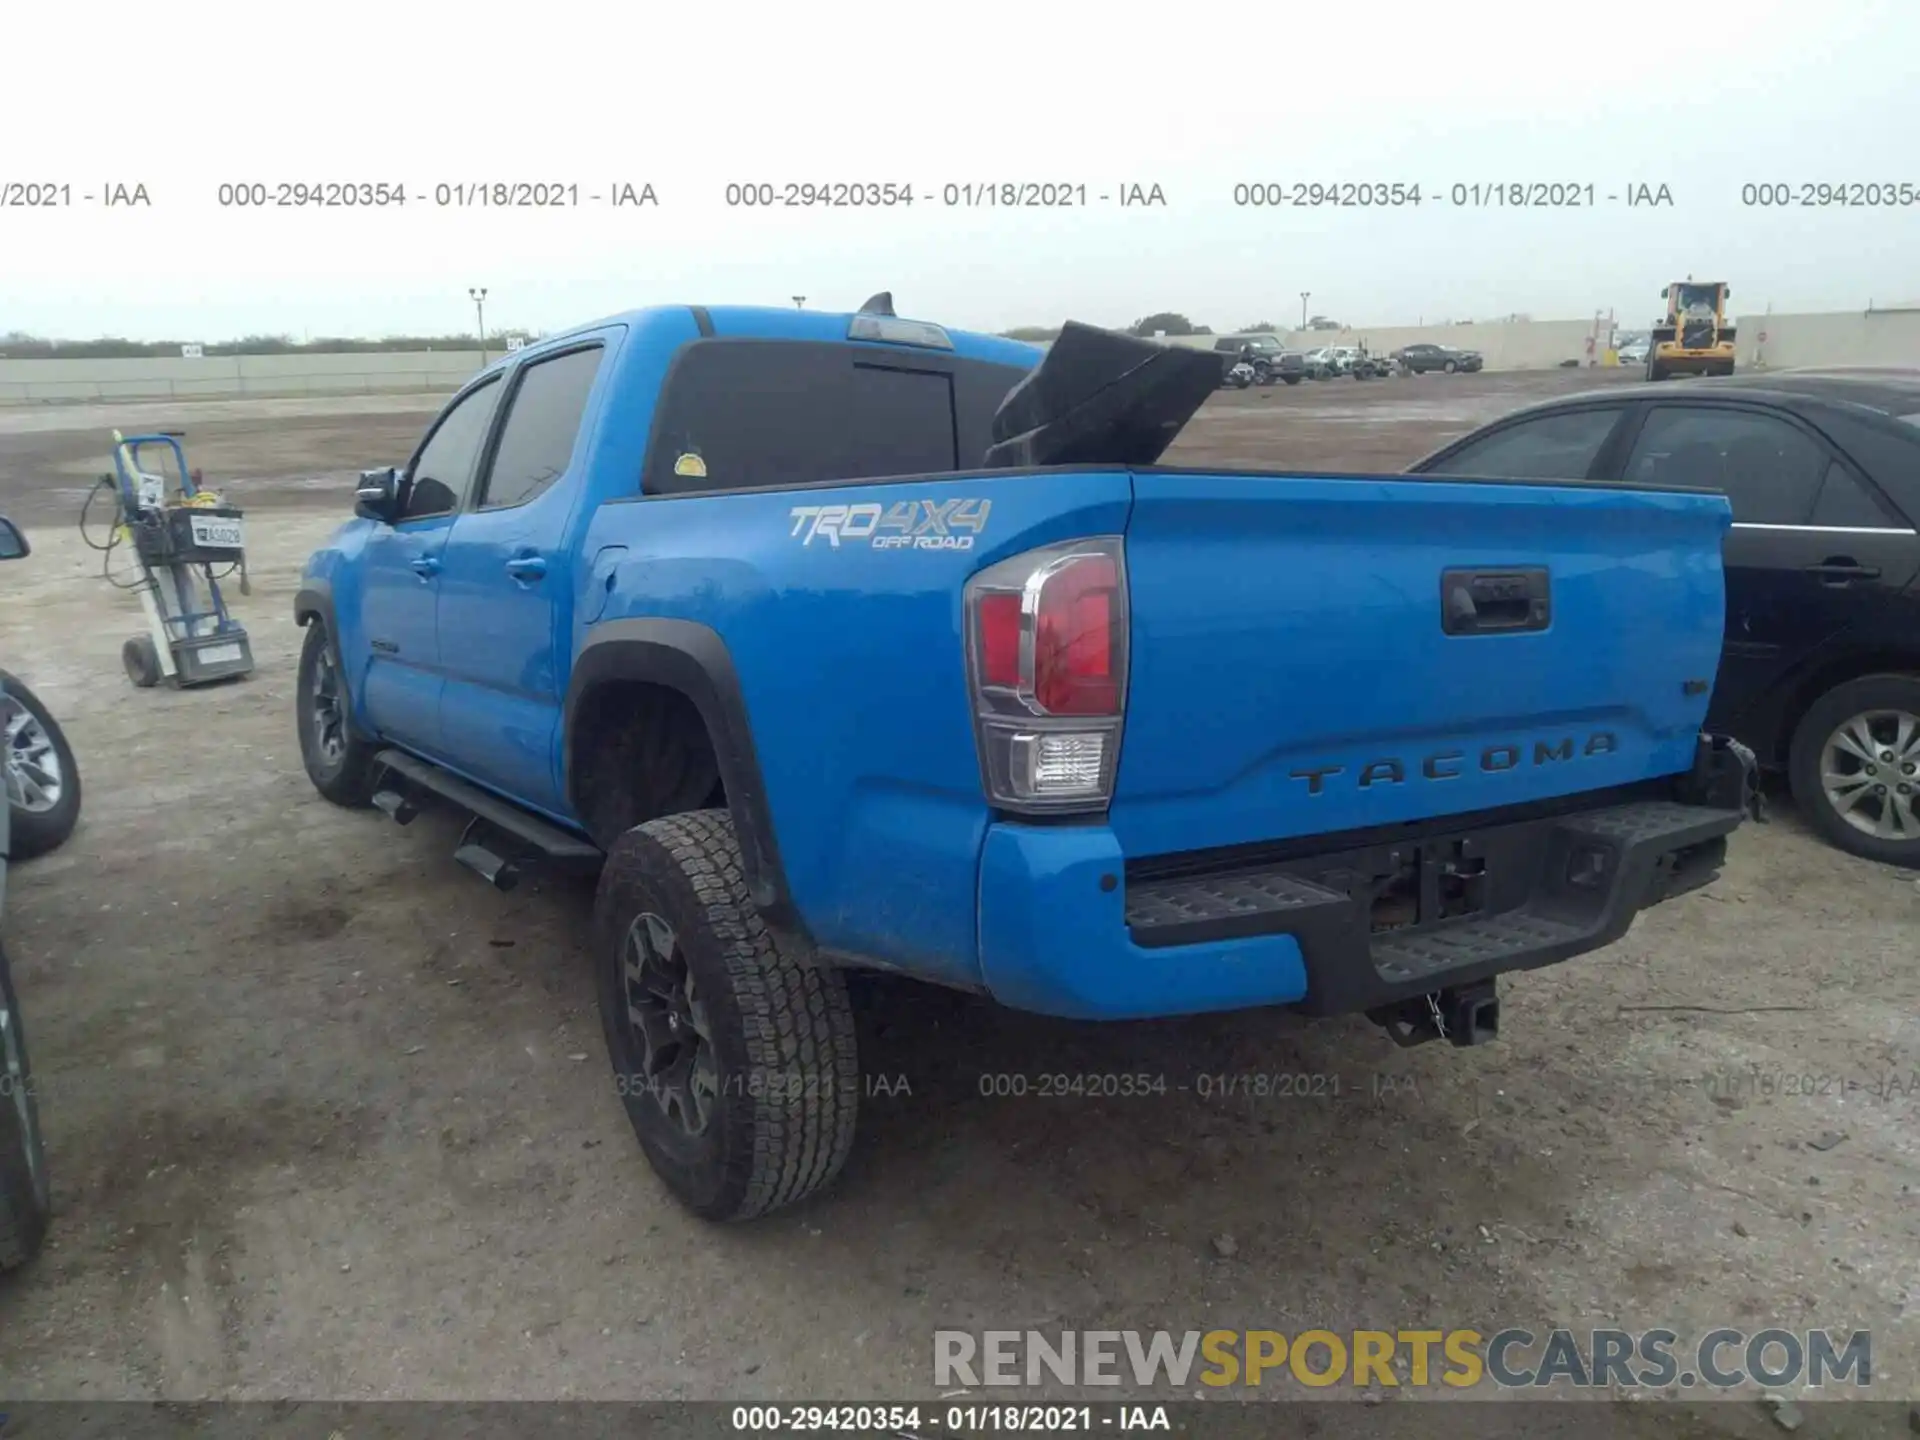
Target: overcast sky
pixel 1702 98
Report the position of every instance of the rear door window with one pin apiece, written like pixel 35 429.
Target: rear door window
pixel 1845 503
pixel 1770 469
pixel 742 413
pixel 543 422
pixel 1562 446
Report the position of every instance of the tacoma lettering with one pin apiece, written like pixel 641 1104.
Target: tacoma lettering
pixel 1446 764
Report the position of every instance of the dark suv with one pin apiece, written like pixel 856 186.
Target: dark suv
pixel 1270 359
pixel 1418 359
pixel 1820 670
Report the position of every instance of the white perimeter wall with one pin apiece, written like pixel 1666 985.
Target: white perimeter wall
pixel 1878 337
pixel 227 376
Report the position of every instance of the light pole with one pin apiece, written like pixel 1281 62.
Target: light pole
pixel 478 294
pixel 799 302
pixel 1303 308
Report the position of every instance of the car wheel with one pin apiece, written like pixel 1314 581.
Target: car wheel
pixel 339 763
pixel 25 1198
pixel 141 660
pixel 1450 367
pixel 43 782
pixel 737 1065
pixel 1291 379
pixel 1854 767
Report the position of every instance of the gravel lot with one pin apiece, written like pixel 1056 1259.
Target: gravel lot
pixel 328 1118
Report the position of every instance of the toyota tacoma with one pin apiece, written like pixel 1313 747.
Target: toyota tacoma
pixel 838 642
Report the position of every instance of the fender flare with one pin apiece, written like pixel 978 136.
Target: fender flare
pixel 315 597
pixel 314 600
pixel 691 658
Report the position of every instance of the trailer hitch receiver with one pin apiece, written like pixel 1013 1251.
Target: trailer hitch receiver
pixel 1463 1015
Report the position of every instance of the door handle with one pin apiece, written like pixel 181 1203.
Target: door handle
pixel 1842 570
pixel 425 566
pixel 527 567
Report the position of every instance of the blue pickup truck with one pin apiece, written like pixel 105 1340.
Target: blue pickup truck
pixel 841 641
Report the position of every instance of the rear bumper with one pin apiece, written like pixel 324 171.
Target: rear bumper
pixel 1068 927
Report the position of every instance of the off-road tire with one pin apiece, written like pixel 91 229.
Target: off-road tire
pixel 141 660
pixel 782 1032
pixel 1850 698
pixel 24 1201
pixel 35 832
pixel 349 779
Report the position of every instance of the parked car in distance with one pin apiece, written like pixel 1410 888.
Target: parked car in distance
pixel 1634 351
pixel 1330 361
pixel 1270 359
pixel 1820 672
pixel 1418 359
pixel 1362 364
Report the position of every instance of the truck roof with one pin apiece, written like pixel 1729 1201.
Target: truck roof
pixel 773 322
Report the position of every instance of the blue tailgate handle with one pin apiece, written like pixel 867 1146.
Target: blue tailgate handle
pixel 1495 602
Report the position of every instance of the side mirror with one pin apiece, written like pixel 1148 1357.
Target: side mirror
pixel 377 497
pixel 13 542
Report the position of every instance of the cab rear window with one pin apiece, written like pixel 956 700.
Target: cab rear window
pixel 738 414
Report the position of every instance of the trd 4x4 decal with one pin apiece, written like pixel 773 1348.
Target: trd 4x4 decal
pixel 904 525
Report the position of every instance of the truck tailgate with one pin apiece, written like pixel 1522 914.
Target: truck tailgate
pixel 1313 655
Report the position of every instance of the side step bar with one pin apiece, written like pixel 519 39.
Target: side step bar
pixel 527 837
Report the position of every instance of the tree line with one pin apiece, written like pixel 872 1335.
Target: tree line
pixel 17 345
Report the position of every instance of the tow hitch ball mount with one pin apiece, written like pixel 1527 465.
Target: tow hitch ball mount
pixel 1466 1015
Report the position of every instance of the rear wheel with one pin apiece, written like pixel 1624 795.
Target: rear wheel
pixel 43 782
pixel 25 1198
pixel 1855 767
pixel 339 762
pixel 736 1063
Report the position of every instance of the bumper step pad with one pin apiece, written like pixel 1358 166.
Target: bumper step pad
pixel 1549 888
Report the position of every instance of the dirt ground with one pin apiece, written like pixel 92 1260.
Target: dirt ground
pixel 328 1118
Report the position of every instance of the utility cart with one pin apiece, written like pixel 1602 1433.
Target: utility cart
pixel 186 540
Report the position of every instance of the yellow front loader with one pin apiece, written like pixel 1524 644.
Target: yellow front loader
pixel 1695 337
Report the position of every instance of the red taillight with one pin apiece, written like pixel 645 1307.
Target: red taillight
pixel 1073 639
pixel 1047 656
pixel 999 626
